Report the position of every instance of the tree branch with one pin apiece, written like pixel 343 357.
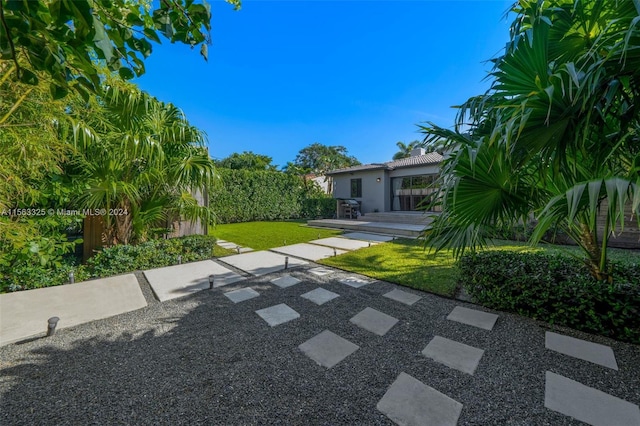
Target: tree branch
pixel 11 46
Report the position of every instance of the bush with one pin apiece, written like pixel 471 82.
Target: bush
pixel 151 254
pixel 557 289
pixel 318 208
pixel 30 276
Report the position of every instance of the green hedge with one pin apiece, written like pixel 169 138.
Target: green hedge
pixel 112 261
pixel 556 289
pixel 257 195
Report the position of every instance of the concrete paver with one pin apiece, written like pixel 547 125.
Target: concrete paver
pixel 261 262
pixel 587 404
pixel 354 282
pixel 368 237
pixel 402 297
pixel 285 281
pixel 328 349
pixel 24 314
pixel 308 251
pixel 341 243
pixel 320 296
pixel 237 296
pixel 320 271
pixel 174 281
pixel 581 349
pixel 374 321
pixel 453 354
pixel 410 402
pixel 277 314
pixel 472 317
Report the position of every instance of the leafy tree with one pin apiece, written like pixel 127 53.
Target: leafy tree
pixel 319 159
pixel 557 134
pixel 404 150
pixel 63 39
pixel 247 160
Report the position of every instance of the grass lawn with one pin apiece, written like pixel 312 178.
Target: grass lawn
pixel 221 251
pixel 267 235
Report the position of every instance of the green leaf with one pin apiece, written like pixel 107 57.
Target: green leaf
pixel 28 77
pixel 204 51
pixel 57 91
pixel 101 40
pixel 126 73
pixel 151 34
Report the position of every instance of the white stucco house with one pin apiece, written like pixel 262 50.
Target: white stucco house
pixel 401 185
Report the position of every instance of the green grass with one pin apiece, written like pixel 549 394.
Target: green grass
pixel 221 252
pixel 267 235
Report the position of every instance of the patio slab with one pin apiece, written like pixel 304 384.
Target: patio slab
pixel 453 354
pixel 278 314
pixel 328 349
pixel 472 317
pixel 285 281
pixel 402 297
pixel 354 282
pixel 320 271
pixel 409 402
pixel 261 262
pixel 320 296
pixel 374 321
pixel 581 349
pixel 368 237
pixel 181 280
pixel 308 251
pixel 587 404
pixel 237 296
pixel 341 243
pixel 24 314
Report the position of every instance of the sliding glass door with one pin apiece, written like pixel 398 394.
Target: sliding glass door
pixel 411 193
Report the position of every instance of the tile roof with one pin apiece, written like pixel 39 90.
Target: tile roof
pixel 417 160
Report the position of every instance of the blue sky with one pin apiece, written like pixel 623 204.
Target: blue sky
pixel 284 74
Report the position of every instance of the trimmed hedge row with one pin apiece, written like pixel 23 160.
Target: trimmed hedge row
pixel 112 261
pixel 258 195
pixel 556 289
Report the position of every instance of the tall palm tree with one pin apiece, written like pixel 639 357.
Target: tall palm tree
pixel 405 149
pixel 556 135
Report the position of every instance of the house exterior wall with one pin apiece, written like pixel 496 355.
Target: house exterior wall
pixel 373 192
pixel 431 169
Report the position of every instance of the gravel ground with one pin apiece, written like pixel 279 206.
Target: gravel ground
pixel 203 360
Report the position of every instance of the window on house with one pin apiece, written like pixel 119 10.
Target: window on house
pixel 356 188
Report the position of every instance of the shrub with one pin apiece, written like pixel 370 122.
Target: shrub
pixel 557 289
pixel 30 276
pixel 318 207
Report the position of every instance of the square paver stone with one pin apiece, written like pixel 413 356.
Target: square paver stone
pixel 354 282
pixel 278 314
pixel 286 281
pixel 320 296
pixel 237 296
pixel 320 271
pixel 472 317
pixel 581 349
pixel 368 237
pixel 341 243
pixel 328 349
pixel 410 402
pixel 374 321
pixel 587 404
pixel 453 354
pixel 403 297
pixel 309 251
pixel 260 262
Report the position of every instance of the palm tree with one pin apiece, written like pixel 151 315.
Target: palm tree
pixel 405 150
pixel 557 134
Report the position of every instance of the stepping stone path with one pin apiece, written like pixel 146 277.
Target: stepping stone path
pixel 354 282
pixel 237 296
pixel 320 296
pixel 278 314
pixel 368 237
pixel 261 262
pixel 328 349
pixel 587 404
pixel 285 281
pixel 374 321
pixel 233 246
pixel 402 297
pixel 321 271
pixel 342 243
pixel 309 251
pixel 408 401
pixel 581 349
pixel 453 354
pixel 472 317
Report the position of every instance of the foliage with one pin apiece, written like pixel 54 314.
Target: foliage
pixel 30 276
pixel 267 235
pixel 247 160
pixel 556 135
pixel 150 254
pixel 319 159
pixel 249 195
pixel 557 289
pixel 320 207
pixel 63 39
pixel 404 150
